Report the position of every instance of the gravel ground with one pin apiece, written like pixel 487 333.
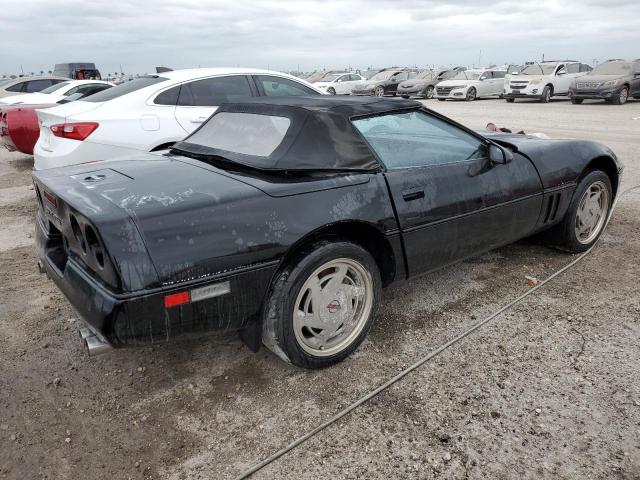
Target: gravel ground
pixel 550 389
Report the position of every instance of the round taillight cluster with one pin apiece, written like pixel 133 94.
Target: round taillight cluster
pixel 88 241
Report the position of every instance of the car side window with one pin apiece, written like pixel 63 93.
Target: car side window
pixel 212 92
pixel 499 74
pixel 283 87
pixel 573 68
pixel 417 139
pixel 561 69
pixel 585 68
pixel 33 86
pixel 168 97
pixel 16 88
pixel 71 91
pixel 401 76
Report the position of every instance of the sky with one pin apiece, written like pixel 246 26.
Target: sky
pixel 137 35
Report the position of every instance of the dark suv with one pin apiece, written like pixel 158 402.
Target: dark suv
pixel 613 81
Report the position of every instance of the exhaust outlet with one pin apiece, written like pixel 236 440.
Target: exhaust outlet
pixel 96 346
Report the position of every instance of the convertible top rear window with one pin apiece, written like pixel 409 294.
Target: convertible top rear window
pixel 243 133
pixel 124 88
pixel 303 133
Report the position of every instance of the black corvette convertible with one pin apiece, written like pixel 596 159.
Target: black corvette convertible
pixel 283 218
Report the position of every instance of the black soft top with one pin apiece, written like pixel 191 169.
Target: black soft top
pixel 320 136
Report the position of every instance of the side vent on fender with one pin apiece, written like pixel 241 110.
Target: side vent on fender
pixel 551 210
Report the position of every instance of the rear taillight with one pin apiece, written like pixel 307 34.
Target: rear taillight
pixel 74 131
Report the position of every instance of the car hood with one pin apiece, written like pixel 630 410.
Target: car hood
pixel 321 84
pixel 453 83
pixel 600 78
pixel 413 83
pixel 528 78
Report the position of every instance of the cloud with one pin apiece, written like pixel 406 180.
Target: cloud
pixel 281 34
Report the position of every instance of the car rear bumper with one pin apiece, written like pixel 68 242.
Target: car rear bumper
pixel 223 303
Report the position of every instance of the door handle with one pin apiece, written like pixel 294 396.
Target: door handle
pixel 199 119
pixel 413 194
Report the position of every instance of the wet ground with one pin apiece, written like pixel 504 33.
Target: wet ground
pixel 550 389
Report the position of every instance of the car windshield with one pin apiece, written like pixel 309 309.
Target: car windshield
pixel 55 87
pixel 467 75
pixel 242 133
pixel 125 88
pixel 331 77
pixel 424 74
pixel 386 75
pixel 539 69
pixel 613 68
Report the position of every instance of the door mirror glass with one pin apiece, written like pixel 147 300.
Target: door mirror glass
pixel 499 155
pixel 483 78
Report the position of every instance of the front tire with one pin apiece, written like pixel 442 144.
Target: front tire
pixel 331 91
pixel 322 304
pixel 471 95
pixel 586 216
pixel 622 97
pixel 379 91
pixel 428 93
pixel 510 100
pixel 577 101
pixel 547 92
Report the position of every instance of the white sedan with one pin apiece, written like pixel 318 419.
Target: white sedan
pixel 340 83
pixel 472 84
pixel 56 92
pixel 149 113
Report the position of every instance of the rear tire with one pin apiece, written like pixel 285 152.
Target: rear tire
pixel 547 93
pixel 510 100
pixel 442 99
pixel 379 91
pixel 331 91
pixel 586 216
pixel 322 304
pixel 577 101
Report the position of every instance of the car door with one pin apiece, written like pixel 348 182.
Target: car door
pixel 635 80
pixel 563 79
pixel 497 83
pixel 198 99
pixel 451 201
pixel 483 85
pixel 396 79
pixel 343 84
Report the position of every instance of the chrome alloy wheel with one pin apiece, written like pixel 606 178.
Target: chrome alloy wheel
pixel 333 307
pixel 624 95
pixel 592 213
pixel 379 92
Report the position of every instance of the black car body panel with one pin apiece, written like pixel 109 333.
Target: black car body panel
pixel 122 238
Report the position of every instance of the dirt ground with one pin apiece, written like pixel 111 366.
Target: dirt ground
pixel 550 389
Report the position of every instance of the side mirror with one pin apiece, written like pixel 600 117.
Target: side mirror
pixel 499 155
pixel 483 78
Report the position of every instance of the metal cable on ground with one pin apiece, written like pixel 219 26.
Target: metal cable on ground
pixel 423 360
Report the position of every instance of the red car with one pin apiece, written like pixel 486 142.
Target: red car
pixel 19 128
